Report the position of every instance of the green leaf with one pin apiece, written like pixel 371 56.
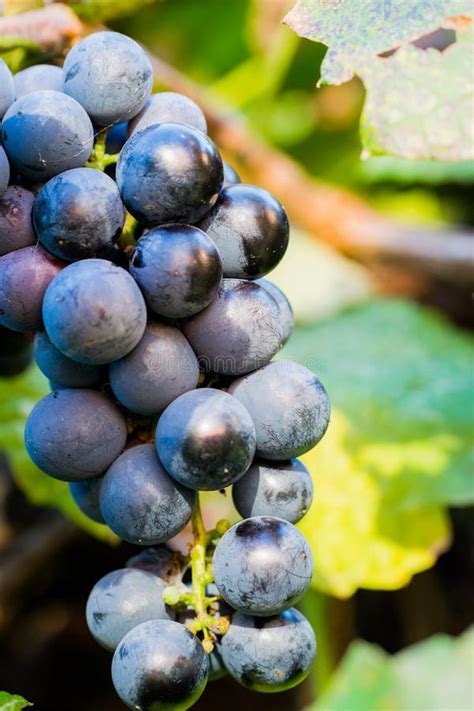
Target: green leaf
pixel 398 447
pixel 380 169
pixel 19 52
pixel 435 674
pixel 419 103
pixel 105 10
pixel 357 30
pixel 17 398
pixel 9 702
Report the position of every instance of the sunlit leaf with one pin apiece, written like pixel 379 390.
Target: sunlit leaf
pixel 357 30
pixel 398 447
pixel 435 674
pixel 420 103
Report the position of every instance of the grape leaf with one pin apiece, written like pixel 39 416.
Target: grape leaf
pixel 17 398
pixel 435 674
pixel 9 702
pixel 357 30
pixel 419 103
pixel 398 447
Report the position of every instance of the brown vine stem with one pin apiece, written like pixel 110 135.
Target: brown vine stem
pixel 335 215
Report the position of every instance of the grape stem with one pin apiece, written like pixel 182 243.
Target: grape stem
pixel 99 159
pixel 200 575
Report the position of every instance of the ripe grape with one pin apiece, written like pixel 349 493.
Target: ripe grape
pixel 168 107
pixel 287 319
pixel 140 502
pixel 160 368
pixel 169 172
pixel 205 439
pixel 79 214
pixel 7 88
pixel 94 312
pixel 4 172
pixel 46 133
pixel 110 75
pixel 116 138
pixel 86 495
pixel 40 76
pixel 262 565
pixel 25 275
pixel 239 332
pixel 289 406
pixel 75 434
pixel 16 227
pixel 120 601
pixel 160 666
pixel 178 269
pixel 281 489
pixel 161 561
pixel 250 229
pixel 269 654
pixel 63 371
pixel 230 175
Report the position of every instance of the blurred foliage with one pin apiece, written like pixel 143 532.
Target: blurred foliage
pixel 398 447
pixel 88 10
pixel 19 52
pixel 17 398
pixel 356 31
pixel 419 103
pixel 9 702
pixel 435 674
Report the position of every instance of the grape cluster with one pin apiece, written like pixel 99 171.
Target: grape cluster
pixel 136 257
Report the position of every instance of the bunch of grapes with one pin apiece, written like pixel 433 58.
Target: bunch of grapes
pixel 136 257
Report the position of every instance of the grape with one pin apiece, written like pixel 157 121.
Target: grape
pixel 178 268
pixel 63 371
pixel 94 312
pixel 205 439
pixel 38 77
pixel 160 666
pixel 45 133
pixel 24 277
pixel 116 138
pixel 162 367
pixel 15 353
pixel 262 565
pixel 168 107
pixel 7 89
pixel 109 75
pixel 238 332
pixel 140 502
pixel 287 319
pixel 271 654
pixel 281 489
pixel 120 601
pixel 169 173
pixel 250 229
pixel 79 214
pixel 4 172
pixel 16 227
pixel 161 561
pixel 230 175
pixel 289 406
pixel 86 495
pixel 75 434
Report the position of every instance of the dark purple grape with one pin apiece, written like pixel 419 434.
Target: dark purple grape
pixel 168 107
pixel 16 226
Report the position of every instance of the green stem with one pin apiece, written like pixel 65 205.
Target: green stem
pixel 99 158
pixel 127 238
pixel 200 576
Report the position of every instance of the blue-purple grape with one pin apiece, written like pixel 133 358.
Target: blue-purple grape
pixel 74 434
pixel 168 107
pixel 7 88
pixel 63 371
pixel 205 439
pixel 86 496
pixel 4 171
pixel 38 77
pixel 287 318
pixel 289 406
pixel 16 226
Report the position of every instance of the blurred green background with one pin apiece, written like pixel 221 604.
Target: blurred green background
pixel 391 528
